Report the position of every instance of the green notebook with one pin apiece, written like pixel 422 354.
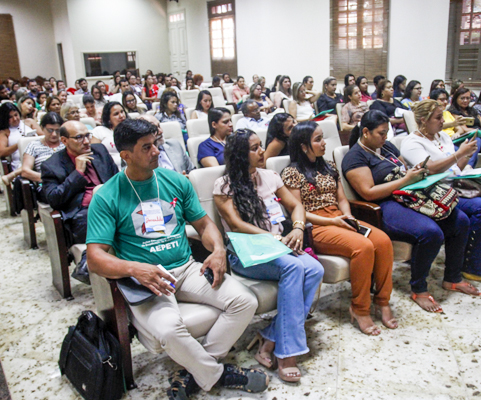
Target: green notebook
pixel 322 113
pixel 468 135
pixel 428 181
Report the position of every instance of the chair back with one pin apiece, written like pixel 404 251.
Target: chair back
pixel 235 119
pixel 331 137
pixel 134 115
pixel 339 118
pixel 76 98
pixel 339 154
pixel 262 133
pixel 197 127
pixel 410 122
pixel 188 113
pixel 150 112
pixel 228 93
pixel 23 143
pixel 172 130
pixel 203 182
pixel 272 95
pixel 40 115
pixel 397 141
pixel 189 97
pixel 193 148
pixel 278 163
pixel 217 97
pixel 90 121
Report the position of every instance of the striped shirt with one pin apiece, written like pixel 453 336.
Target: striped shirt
pixel 41 152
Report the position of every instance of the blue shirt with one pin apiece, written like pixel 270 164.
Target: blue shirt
pixel 210 148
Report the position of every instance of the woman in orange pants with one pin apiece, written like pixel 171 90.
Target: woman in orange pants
pixel 316 184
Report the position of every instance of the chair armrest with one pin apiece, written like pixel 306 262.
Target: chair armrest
pixel 233 105
pixel 369 212
pixel 5 166
pixel 27 195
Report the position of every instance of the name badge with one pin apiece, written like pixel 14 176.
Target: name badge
pixel 153 217
pixel 274 211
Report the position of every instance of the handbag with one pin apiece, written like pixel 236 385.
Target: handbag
pixel 90 358
pixel 436 201
pixel 468 188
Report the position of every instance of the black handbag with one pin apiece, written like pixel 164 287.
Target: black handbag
pixel 90 358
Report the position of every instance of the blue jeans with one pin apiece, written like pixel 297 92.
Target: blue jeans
pixel 474 158
pixel 472 261
pixel 427 236
pixel 299 278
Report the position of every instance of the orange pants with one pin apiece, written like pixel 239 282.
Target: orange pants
pixel 372 254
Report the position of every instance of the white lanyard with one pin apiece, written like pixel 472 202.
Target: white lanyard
pixel 436 142
pixel 156 181
pixel 382 157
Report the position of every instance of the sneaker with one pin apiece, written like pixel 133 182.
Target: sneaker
pixel 182 385
pixel 249 380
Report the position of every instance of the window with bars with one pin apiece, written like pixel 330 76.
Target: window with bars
pixel 359 37
pixel 464 40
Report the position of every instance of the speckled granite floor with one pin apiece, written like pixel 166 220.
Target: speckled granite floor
pixel 428 357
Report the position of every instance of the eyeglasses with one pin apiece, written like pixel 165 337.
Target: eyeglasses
pixel 418 88
pixel 81 138
pixel 130 101
pixel 50 130
pixel 74 112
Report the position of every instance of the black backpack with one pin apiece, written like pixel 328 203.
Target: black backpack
pixel 90 358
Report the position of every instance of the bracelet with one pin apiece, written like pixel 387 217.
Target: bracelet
pixel 299 222
pixel 456 158
pixel 296 227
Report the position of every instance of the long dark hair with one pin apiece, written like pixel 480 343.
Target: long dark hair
pixel 5 110
pixel 106 113
pixel 397 81
pixel 434 85
pixel 214 115
pixel 370 120
pixel 346 79
pixel 302 135
pixel 276 128
pixel 98 88
pixel 201 95
pixel 250 206
pixel 409 89
pixel 358 84
pixel 455 106
pixel 166 96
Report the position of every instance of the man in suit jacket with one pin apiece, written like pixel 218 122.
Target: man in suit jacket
pixel 69 176
pixel 172 154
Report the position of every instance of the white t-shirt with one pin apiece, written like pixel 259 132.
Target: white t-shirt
pixel 106 136
pixel 415 149
pixel 251 123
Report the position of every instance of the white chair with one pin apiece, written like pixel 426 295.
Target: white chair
pixel 397 141
pixel 193 148
pixel 262 133
pixel 336 268
pixel 172 130
pixel 272 95
pixel 228 93
pixel 40 115
pixel 286 103
pixel 188 113
pixel 410 122
pixel 235 119
pixel 77 99
pixel 331 137
pixel 203 182
pixel 134 115
pixel 402 250
pixel 150 112
pixel 90 121
pixel 217 97
pixel 339 115
pixel 189 97
pixel 23 142
pixel 197 127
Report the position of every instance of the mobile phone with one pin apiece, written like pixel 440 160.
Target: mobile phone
pixel 209 275
pixel 469 121
pixel 425 162
pixel 473 138
pixel 353 223
pixel 364 230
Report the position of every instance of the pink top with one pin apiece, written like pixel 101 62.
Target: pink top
pixel 365 98
pixel 268 182
pixel 238 93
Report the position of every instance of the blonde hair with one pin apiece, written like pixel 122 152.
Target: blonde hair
pixel 424 110
pixel 66 109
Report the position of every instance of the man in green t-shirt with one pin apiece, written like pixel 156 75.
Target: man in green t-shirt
pixel 141 214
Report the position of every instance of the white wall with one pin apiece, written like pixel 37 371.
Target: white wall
pixel 120 25
pixel 418 36
pixel 34 34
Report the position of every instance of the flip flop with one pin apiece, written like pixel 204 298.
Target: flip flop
pixel 414 296
pixel 454 287
pixel 284 374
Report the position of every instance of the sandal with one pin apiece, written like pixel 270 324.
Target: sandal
pixel 456 287
pixel 372 330
pixel 415 296
pixel 263 358
pixel 391 324
pixel 290 374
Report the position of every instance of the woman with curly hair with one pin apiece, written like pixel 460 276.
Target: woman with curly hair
pixel 244 196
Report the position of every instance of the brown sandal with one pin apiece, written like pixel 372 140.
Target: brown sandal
pixel 414 296
pixel 455 287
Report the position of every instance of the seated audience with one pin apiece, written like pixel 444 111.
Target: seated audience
pixel 125 87
pixel 41 99
pixel 137 256
pixel 84 86
pixel 327 209
pixel 53 85
pixel 275 86
pixel 255 78
pixel 349 79
pixel 391 107
pixel 68 179
pixel 188 75
pixel 32 88
pixel 280 128
pixel 112 115
pixel 168 85
pixel 98 95
pixel 459 84
pixel 130 103
pixel 252 117
pixel 115 85
pixel 204 104
pixel 169 110
pixel 70 111
pixel 91 110
pixel 176 84
pixel 211 151
pixel 240 90
pixel 363 85
pixel 264 90
pixel 329 98
pixel 460 106
pixel 62 95
pixel 103 89
pixel 242 196
pixel 283 91
pixel 302 107
pixel 353 108
pixel 134 87
pixel 399 86
pixel 172 155
pixel 28 113
pixel 412 94
pixel 429 140
pixel 198 79
pixel 189 83
pixel 437 84
pixel 61 86
pixel 264 102
pixel 53 104
pixel 454 126
pixel 477 106
pixel 226 78
pixel 40 150
pixel 374 177
pixel 12 128
pixel 375 81
pixel 216 82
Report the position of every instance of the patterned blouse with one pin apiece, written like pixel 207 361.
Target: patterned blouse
pixel 324 194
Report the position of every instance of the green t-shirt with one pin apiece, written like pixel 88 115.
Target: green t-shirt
pixel 115 218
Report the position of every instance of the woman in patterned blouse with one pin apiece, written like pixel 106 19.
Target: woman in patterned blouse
pixel 315 183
